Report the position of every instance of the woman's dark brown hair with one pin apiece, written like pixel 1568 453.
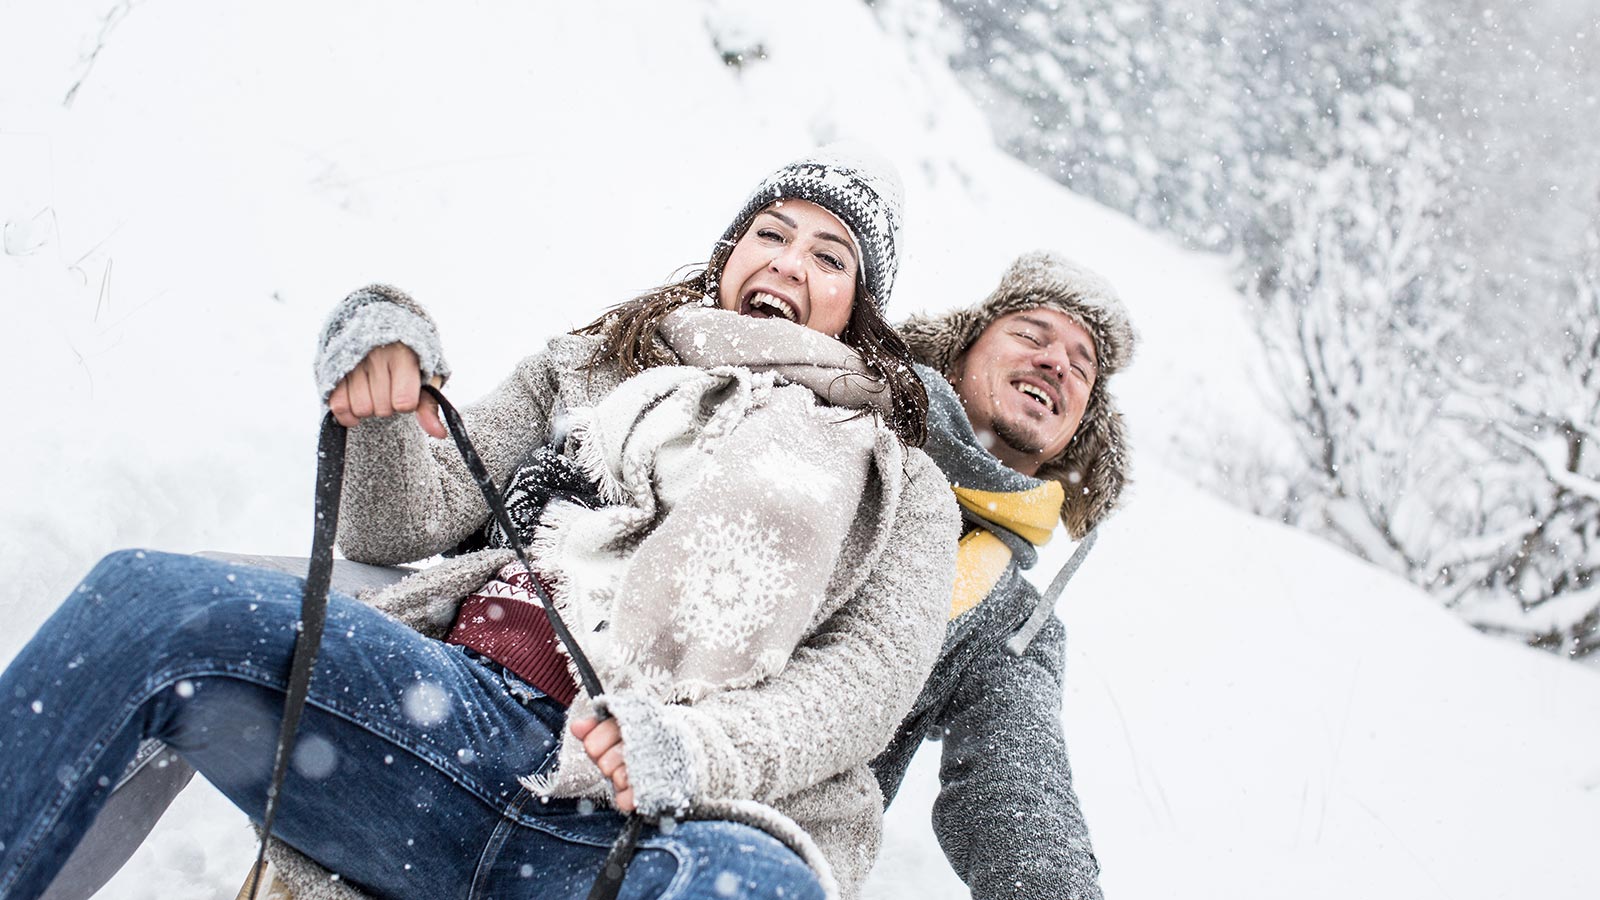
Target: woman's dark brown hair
pixel 627 334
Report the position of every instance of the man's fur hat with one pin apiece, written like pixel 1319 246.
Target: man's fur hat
pixel 1093 469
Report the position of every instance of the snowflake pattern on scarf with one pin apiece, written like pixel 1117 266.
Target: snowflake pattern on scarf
pixel 740 575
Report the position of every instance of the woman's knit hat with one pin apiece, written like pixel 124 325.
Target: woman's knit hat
pixel 1093 469
pixel 851 182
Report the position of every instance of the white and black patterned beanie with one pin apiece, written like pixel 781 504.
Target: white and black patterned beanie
pixel 853 183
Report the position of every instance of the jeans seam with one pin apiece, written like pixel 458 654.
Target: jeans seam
pixel 684 870
pixel 496 842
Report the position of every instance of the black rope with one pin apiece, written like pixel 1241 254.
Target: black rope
pixel 614 868
pixel 615 865
pixel 497 507
pixel 313 613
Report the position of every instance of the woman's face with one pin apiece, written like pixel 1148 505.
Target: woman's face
pixel 797 262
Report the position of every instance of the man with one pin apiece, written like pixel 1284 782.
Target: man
pixel 1028 434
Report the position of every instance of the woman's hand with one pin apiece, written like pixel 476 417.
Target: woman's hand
pixel 603 742
pixel 387 381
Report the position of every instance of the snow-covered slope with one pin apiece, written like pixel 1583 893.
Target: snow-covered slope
pixel 1251 713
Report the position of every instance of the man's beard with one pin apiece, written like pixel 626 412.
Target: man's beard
pixel 1015 438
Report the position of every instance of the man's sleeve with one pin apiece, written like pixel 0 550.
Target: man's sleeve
pixel 1007 816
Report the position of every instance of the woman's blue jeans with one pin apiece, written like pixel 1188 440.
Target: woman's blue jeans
pixel 404 774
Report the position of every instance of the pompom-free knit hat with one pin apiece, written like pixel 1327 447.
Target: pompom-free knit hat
pixel 853 183
pixel 1093 469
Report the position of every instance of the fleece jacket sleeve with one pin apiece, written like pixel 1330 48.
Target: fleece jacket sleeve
pixel 408 496
pixel 1007 816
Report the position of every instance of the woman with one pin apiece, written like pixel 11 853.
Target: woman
pixel 752 557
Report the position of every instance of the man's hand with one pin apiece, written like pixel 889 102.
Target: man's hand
pixel 387 381
pixel 603 742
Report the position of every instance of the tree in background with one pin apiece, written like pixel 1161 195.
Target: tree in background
pixel 1541 546
pixel 1351 310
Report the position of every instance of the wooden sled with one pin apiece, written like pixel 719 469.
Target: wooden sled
pixel 271 887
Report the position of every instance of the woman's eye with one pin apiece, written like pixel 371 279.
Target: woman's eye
pixel 769 234
pixel 833 262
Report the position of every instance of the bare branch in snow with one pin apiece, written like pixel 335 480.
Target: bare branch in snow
pixel 108 23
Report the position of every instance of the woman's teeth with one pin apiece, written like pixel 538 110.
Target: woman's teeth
pixel 775 304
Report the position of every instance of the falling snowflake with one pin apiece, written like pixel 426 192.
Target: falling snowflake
pixel 736 574
pixel 425 703
pixel 315 757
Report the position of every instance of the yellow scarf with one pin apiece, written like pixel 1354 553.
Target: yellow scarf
pixel 981 557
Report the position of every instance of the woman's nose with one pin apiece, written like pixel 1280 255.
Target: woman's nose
pixel 788 263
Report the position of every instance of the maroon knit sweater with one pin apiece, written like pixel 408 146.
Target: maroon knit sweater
pixel 504 621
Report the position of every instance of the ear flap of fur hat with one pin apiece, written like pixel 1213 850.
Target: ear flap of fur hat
pixel 1093 470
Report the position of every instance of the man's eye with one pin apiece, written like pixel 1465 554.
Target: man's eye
pixel 1030 338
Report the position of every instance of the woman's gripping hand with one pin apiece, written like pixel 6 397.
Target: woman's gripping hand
pixel 603 742
pixel 386 381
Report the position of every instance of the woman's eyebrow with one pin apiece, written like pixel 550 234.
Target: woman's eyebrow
pixel 820 234
pixel 830 236
pixel 780 217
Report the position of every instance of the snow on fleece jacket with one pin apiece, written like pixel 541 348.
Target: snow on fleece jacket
pixel 1007 815
pixel 792 750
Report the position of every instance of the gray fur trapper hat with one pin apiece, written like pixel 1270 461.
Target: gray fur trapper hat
pixel 851 181
pixel 1093 470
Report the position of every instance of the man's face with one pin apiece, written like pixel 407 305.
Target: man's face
pixel 1025 382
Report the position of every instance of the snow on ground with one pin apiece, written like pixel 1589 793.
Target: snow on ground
pixel 1251 713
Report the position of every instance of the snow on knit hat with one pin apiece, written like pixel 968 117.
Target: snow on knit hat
pixel 853 183
pixel 1093 469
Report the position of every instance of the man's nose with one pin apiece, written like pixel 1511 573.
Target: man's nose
pixel 1052 360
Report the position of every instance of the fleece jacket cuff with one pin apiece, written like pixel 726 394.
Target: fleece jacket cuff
pixel 370 318
pixel 661 752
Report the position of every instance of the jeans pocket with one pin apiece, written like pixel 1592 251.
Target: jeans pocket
pixel 520 690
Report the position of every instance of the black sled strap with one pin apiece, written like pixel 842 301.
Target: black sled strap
pixel 615 867
pixel 313 613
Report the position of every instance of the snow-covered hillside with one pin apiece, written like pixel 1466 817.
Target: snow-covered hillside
pixel 1251 713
